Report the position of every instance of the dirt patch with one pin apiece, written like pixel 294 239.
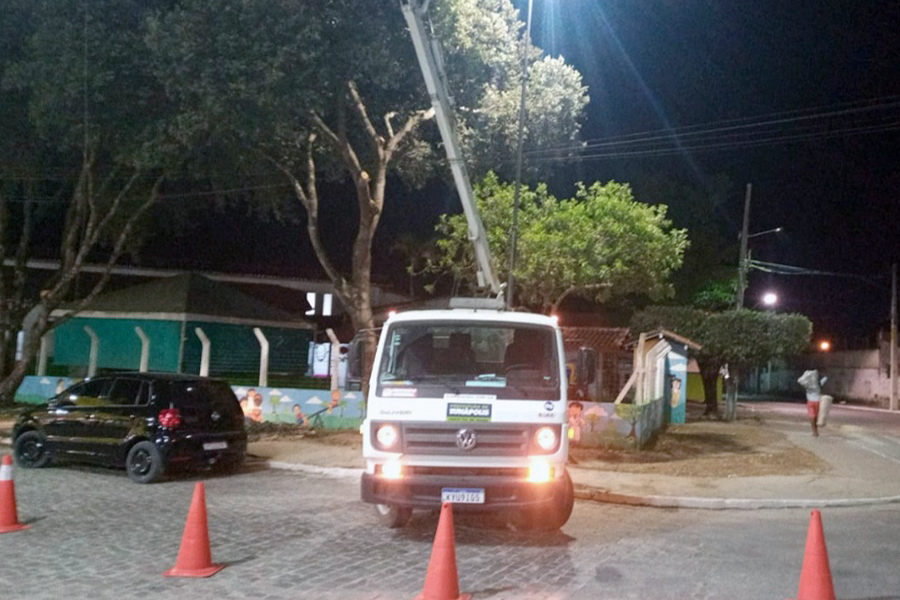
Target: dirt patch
pixel 258 432
pixel 743 448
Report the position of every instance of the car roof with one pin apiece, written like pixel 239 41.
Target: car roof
pixel 153 376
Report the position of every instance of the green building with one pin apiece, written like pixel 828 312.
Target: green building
pixel 183 324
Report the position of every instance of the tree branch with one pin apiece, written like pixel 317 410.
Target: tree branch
pixel 411 123
pixel 359 105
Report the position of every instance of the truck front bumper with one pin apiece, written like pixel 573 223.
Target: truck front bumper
pixel 424 491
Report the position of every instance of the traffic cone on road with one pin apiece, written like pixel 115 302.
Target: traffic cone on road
pixel 815 578
pixel 442 580
pixel 194 558
pixel 9 518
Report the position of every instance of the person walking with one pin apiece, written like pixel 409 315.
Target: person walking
pixel 813 385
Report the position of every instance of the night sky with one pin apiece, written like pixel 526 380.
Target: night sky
pixel 800 98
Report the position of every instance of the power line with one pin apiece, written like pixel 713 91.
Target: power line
pixel 855 118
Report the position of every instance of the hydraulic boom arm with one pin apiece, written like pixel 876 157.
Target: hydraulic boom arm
pixel 428 53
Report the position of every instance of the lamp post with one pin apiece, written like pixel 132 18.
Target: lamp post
pixel 511 285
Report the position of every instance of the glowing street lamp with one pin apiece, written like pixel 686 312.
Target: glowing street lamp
pixel 770 299
pixel 825 346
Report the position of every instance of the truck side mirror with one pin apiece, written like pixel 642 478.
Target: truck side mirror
pixel 586 366
pixel 355 356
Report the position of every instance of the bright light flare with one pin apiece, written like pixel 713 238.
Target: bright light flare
pixel 825 346
pixel 540 471
pixel 392 469
pixel 770 298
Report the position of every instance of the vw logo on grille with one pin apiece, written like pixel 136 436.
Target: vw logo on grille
pixel 215 416
pixel 465 439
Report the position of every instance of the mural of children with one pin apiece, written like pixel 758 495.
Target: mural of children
pixel 256 409
pixel 676 391
pixel 247 404
pixel 298 415
pixel 575 419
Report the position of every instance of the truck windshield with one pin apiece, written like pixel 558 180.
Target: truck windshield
pixel 500 360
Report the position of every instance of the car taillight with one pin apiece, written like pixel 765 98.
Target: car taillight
pixel 169 418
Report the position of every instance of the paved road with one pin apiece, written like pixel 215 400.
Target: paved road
pixel 290 535
pixel 873 430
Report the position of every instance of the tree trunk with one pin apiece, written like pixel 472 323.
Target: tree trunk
pixel 710 375
pixel 731 394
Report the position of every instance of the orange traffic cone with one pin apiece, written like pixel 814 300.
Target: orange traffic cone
pixel 9 518
pixel 815 578
pixel 442 580
pixel 194 558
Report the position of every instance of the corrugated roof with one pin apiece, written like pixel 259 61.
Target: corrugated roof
pixel 194 295
pixel 602 339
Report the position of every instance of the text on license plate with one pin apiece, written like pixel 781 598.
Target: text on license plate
pixel 463 495
pixel 215 445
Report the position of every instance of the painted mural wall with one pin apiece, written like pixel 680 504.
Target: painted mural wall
pixel 607 424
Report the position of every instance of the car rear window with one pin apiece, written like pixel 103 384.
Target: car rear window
pixel 215 394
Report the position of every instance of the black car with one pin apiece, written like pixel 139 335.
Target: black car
pixel 145 422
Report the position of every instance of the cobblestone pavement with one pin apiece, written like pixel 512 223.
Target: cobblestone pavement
pixel 94 534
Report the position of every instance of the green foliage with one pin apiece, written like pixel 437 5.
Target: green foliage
pixel 601 242
pixel 716 295
pixel 741 338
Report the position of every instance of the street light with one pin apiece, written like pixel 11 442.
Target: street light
pixel 510 286
pixel 776 230
pixel 770 299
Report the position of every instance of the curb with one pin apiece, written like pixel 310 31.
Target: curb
pixel 605 496
pixel 590 494
pixel 339 472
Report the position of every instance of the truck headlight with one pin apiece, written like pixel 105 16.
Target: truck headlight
pixel 387 436
pixel 546 438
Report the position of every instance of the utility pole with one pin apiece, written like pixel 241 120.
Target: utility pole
pixel 514 234
pixel 893 382
pixel 742 260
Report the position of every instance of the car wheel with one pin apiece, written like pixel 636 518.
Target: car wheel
pixel 393 516
pixel 144 462
pixel 31 451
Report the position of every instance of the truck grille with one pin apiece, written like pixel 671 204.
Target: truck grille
pixel 491 439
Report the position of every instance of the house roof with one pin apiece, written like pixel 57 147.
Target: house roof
pixel 671 335
pixel 602 339
pixel 194 297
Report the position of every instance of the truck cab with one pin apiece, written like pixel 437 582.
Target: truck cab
pixel 468 406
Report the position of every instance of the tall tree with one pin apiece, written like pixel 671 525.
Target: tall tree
pixel 82 161
pixel 601 243
pixel 310 90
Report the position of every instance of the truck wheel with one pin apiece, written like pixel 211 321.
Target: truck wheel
pixel 393 516
pixel 549 520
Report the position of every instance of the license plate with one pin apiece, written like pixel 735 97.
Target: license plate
pixel 215 445
pixel 463 495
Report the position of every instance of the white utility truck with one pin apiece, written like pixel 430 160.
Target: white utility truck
pixel 466 405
